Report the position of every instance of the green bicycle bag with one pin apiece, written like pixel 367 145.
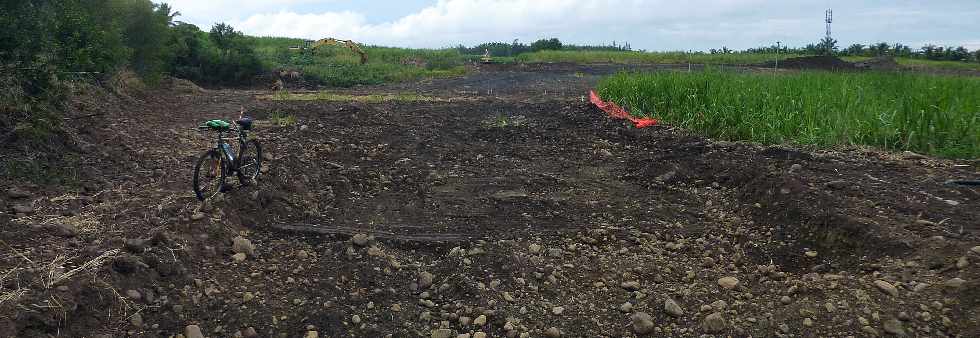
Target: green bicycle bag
pixel 217 125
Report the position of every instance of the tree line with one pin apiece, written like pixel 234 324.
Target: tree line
pixel 105 36
pixel 517 47
pixel 829 47
pixel 45 42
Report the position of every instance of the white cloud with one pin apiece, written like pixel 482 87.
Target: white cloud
pixel 450 22
pixel 648 24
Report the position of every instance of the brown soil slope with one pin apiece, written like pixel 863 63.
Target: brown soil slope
pixel 516 211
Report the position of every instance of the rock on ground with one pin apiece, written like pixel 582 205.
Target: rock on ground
pixel 672 308
pixel 642 323
pixel 714 323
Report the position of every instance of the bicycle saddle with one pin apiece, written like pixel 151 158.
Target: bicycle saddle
pixel 245 122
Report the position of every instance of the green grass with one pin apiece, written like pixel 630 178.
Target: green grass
pixel 281 119
pixel 339 67
pixel 647 57
pixel 334 97
pixel 932 114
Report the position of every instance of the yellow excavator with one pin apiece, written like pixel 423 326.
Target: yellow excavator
pixel 353 46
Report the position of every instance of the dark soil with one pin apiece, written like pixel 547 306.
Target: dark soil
pixel 517 197
pixel 822 62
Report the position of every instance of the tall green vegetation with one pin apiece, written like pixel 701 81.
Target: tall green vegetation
pixel 44 43
pixel 340 67
pixel 924 113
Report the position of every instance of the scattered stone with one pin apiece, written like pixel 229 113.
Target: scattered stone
pixel 238 257
pixel 887 288
pixel 304 127
pixel 465 321
pixel 312 334
pixel 552 332
pixel 302 254
pixel 361 240
pixel 16 193
pixel 250 332
pixel 135 245
pixel 785 300
pixel 425 280
pixel 64 230
pixel 136 320
pixel 672 308
pixel 626 307
pixel 242 245
pixel 714 323
pixel 962 263
pixel 837 185
pixel 895 327
pixel 728 283
pixel 197 216
pixel 134 295
pixel 954 283
pixel 442 333
pixel 479 334
pixel 807 322
pixel 719 305
pixel 534 248
pixel 630 285
pixel 811 254
pixel 642 323
pixel 480 320
pixel 976 250
pixel 795 167
pixel 904 316
pixel 193 331
pixel 558 310
pixel 509 195
pixel 23 209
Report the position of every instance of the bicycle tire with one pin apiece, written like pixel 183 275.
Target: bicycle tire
pixel 249 172
pixel 212 155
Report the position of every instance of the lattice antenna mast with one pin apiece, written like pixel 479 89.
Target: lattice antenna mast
pixel 830 20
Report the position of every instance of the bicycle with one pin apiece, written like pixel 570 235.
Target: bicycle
pixel 214 166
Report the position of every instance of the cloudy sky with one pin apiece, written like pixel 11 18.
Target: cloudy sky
pixel 645 24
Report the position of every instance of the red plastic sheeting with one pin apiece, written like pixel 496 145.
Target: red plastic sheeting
pixel 614 110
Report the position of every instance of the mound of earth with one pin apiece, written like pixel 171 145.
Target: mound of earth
pixel 823 62
pixel 518 210
pixel 878 63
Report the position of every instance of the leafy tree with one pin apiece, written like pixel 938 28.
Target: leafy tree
pixel 900 50
pixel 827 46
pixel 147 29
pixel 546 44
pixel 856 49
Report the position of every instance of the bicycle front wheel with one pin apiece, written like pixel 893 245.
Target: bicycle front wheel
pixel 250 162
pixel 209 175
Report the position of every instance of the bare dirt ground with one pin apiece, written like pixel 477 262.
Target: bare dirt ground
pixel 514 209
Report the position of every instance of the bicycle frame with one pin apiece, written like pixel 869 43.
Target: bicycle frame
pixel 225 151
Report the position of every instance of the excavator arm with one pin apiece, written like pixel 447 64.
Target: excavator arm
pixel 353 46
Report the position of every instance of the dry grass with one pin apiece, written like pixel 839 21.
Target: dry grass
pixel 334 97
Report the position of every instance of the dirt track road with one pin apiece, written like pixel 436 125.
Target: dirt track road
pixel 516 209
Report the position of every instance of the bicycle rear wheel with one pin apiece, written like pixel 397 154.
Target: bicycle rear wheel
pixel 250 162
pixel 209 175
